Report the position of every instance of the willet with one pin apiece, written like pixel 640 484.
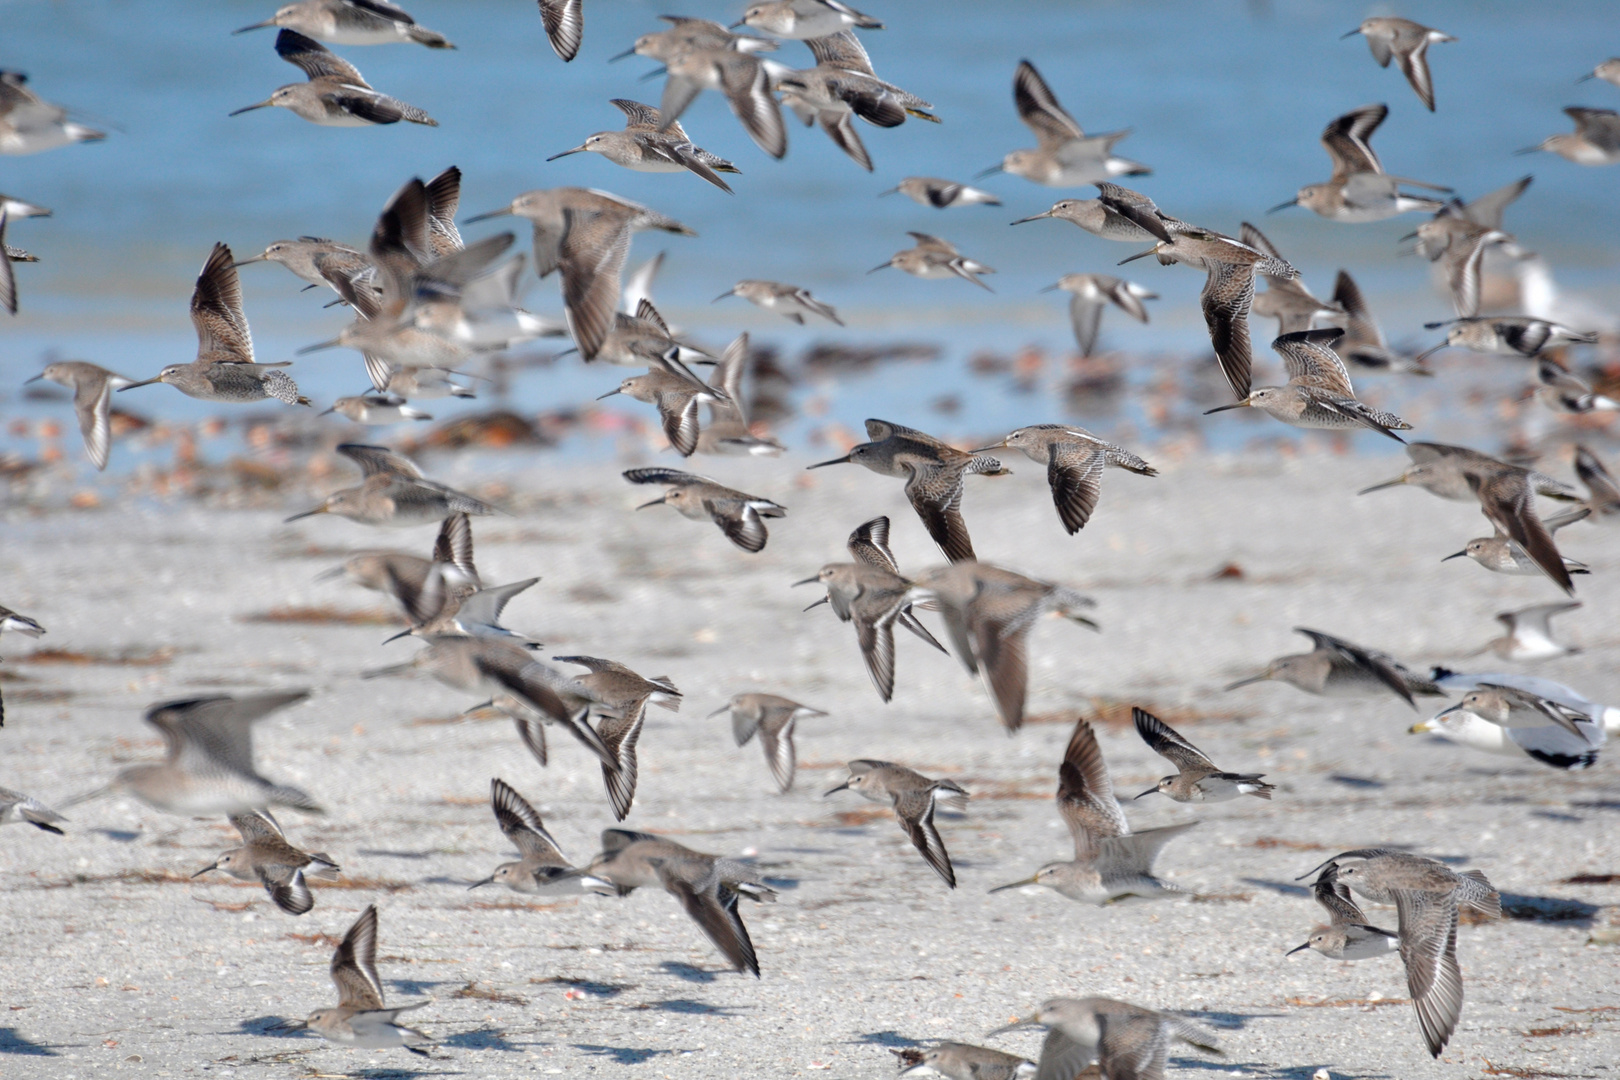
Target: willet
pixel 1595 141
pixel 393 492
pixel 645 145
pixel 842 86
pixel 1336 668
pixel 1075 459
pixel 1359 189
pixel 1197 779
pixel 352 22
pixel 29 125
pixel 739 515
pixel 1348 935
pixel 266 857
pixel 790 301
pixel 934 259
pixel 1318 393
pixel 1090 295
pixel 336 94
pixel 1127 1041
pixel 543 867
pixel 941 194
pixel 773 718
pixel 1065 155
pixel 92 387
pixel 914 798
pixel 1407 43
pixel 359 1019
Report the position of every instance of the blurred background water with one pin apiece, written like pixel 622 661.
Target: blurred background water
pixel 1225 99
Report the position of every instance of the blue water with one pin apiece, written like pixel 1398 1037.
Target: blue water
pixel 1226 100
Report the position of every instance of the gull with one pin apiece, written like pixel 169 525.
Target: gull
pixel 267 858
pixel 1551 745
pixel 543 867
pixel 1513 707
pixel 790 301
pixel 92 387
pixel 1359 190
pixel 1336 668
pixel 352 22
pixel 773 718
pixel 739 515
pixel 224 370
pixel 622 697
pixel 804 20
pixel 708 886
pixel 1197 779
pixel 1065 155
pixel 745 80
pixel 1075 459
pixel 914 798
pixel 1090 296
pixel 873 597
pixel 934 472
pixel 989 613
pixel 1128 1042
pixel 336 94
pixel 730 429
pixel 1426 895
pixel 1348 935
pixel 1318 393
pixel 1529 633
pixel 646 146
pixel 1286 299
pixel 17 807
pixel 843 86
pixel 393 492
pixel 933 259
pixel 1563 392
pixel 676 392
pixel 941 194
pixel 1407 43
pixel 359 1019
pixel 1595 141
pixel 29 125
pixel 1110 862
pixel 585 235
pixel 1363 346
pixel 1517 336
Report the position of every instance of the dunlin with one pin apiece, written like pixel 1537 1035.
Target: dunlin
pixel 1065 156
pixel 739 515
pixel 869 545
pixel 1197 779
pixel 8 276
pixel 1074 459
pixel 989 613
pixel 414 383
pixel 941 194
pixel 1563 392
pixel 1504 555
pixel 687 34
pixel 1490 208
pixel 1127 1042
pixel 29 125
pixel 803 20
pixel 393 492
pixel 790 301
pixel 415 583
pixel 1348 935
pixel 450 605
pixel 92 387
pixel 708 886
pixel 18 623
pixel 1359 190
pixel 1529 633
pixel 352 22
pixel 1286 299
pixel 742 77
pixel 645 145
pixel 1110 862
pixel 843 86
pixel 964 1061
pixel 376 409
pixel 1318 393
pixel 1513 707
pixel 543 867
pixel 15 807
pixel 1363 346
pixel 1426 895
pixel 16 209
pixel 585 234
pixel 208 768
pixel 265 856
pixel 1090 296
pixel 224 370
pixel 934 259
pixel 564 21
pixel 644 339
pixel 623 696
pixel 730 428
pixel 1595 140
pixel 1461 256
pixel 872 597
pixel 914 798
pixel 1603 493
pixel 359 1019
pixel 1407 43
pixel 1336 668
pixel 773 718
pixel 1551 744
pixel 336 94
pixel 676 392
pixel 934 472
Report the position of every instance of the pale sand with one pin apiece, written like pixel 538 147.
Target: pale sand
pixel 866 948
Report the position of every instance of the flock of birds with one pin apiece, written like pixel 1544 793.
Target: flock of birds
pixel 426 302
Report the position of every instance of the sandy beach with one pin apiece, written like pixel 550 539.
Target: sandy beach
pixel 117 960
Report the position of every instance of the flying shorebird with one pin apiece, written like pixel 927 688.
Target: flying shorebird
pixel 1090 296
pixel 1363 346
pixel 805 20
pixel 1348 935
pixel 1513 707
pixel 1504 555
pixel 29 125
pixel 543 867
pixel 914 798
pixel 1125 1041
pixel 359 1018
pixel 646 146
pixel 266 857
pixel 393 492
pixel 934 472
pixel 933 259
pixel 1603 493
pixel 620 696
pixel 1318 393
pixel 352 22
pixel 1444 471
pixel 708 886
pixel 1407 43
pixel 873 597
pixel 1336 668
pixel 941 194
pixel 1516 336
pixel 421 587
pixel 377 410
pixel 671 386
pixel 1065 156
pixel 741 76
pixel 1118 213
pixel 224 369
pixel 1075 459
pixel 739 515
pixel 1595 140
pixel 92 387
pixel 869 545
pixel 336 94
pixel 316 260
pixel 1564 392
pixel 790 301
pixel 1529 633
pixel 1286 299
pixel 1110 862
pixel 1197 779
pixel 773 718
pixel 17 807
pixel 963 1061
pixel 730 427
pixel 9 255
pixel 1550 744
pixel 1359 189
pixel 841 87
